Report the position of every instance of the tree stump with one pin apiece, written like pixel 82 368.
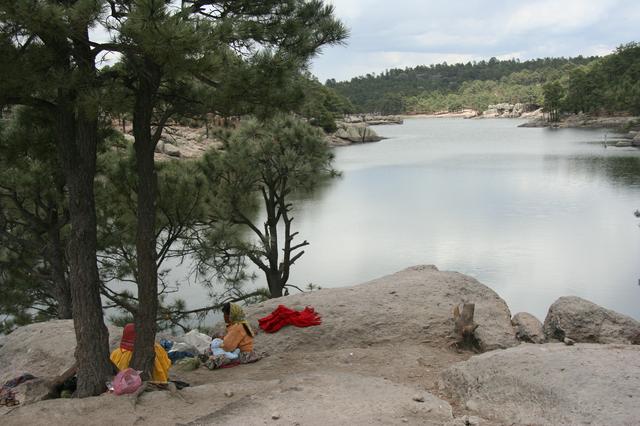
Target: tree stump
pixel 464 328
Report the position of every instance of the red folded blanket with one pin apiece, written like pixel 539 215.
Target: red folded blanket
pixel 284 316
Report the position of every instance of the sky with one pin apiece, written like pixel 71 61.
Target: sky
pixel 403 33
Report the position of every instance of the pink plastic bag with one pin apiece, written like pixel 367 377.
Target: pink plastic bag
pixel 126 381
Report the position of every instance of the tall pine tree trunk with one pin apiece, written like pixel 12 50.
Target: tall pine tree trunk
pixel 62 288
pixel 144 354
pixel 78 140
pixel 275 284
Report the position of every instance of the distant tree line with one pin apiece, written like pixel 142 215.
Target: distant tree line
pixel 608 85
pixel 453 86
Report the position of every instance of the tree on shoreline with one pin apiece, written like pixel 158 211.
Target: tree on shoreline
pixel 51 65
pixel 553 98
pixel 273 160
pixel 165 51
pixel 608 85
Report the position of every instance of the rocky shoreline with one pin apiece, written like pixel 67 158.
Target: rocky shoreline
pixel 501 110
pixel 586 121
pixel 191 142
pixel 184 142
pixel 382 355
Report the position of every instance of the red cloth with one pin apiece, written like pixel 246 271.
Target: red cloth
pixel 128 337
pixel 284 316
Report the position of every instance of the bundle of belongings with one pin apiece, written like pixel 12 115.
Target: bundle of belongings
pixel 283 316
pixel 7 392
pixel 216 349
pixel 187 354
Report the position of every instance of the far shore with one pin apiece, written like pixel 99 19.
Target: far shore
pixel 462 114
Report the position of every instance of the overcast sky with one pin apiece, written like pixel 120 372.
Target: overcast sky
pixel 398 33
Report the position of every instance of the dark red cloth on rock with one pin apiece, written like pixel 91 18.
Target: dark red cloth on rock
pixel 284 316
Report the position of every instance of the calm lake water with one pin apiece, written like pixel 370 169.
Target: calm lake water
pixel 534 214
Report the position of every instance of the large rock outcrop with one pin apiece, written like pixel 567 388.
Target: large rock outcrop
pixel 414 306
pixel 373 119
pixel 507 110
pixel 550 384
pixel 357 133
pixel 310 399
pixel 43 349
pixel 584 321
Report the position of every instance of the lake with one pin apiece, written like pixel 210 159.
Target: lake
pixel 533 213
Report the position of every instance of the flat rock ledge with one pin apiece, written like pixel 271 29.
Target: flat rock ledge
pixel 550 384
pixel 414 305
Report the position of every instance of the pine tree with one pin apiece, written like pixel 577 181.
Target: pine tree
pixel 265 164
pixel 164 51
pixel 33 220
pixel 51 65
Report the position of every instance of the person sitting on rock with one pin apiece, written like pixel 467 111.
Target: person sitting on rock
pixel 239 335
pixel 121 357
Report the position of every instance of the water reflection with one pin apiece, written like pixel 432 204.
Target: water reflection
pixel 533 213
pixel 621 169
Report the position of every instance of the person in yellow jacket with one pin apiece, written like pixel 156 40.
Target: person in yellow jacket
pixel 121 356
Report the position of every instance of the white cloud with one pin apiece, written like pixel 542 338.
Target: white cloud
pixel 348 9
pixel 436 39
pixel 414 32
pixel 557 16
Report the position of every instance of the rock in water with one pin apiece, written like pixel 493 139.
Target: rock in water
pixel 357 133
pixel 528 328
pixel 551 384
pixel 586 322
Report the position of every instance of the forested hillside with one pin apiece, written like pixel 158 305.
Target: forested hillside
pixel 609 85
pixel 451 87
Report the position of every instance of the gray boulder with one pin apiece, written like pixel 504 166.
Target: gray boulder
pixel 159 147
pixel 171 150
pixel 528 328
pixel 357 133
pixel 584 321
pixel 413 305
pixel 550 384
pixel 636 140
